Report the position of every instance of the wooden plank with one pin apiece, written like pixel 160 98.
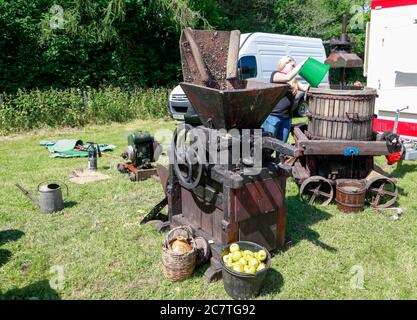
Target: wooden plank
pixel 196 54
pixel 339 125
pixel 320 127
pixel 233 55
pixel 299 172
pixel 338 147
pixel 326 124
pixel 299 135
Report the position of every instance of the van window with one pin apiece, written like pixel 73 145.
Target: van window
pixel 247 67
pixel 404 79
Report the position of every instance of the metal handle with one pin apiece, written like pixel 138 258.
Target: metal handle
pixel 352 116
pixel 54 180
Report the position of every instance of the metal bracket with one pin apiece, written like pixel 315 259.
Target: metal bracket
pixel 350 152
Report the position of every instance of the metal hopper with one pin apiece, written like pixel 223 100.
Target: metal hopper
pixel 211 82
pixel 245 107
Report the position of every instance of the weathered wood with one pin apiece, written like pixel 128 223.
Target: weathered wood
pixel 300 173
pixel 338 147
pixel 196 54
pixel 233 55
pixel 341 114
pixel 299 135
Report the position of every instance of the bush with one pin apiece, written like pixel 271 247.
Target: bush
pixel 72 107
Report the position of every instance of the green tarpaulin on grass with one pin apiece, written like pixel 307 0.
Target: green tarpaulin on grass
pixel 68 148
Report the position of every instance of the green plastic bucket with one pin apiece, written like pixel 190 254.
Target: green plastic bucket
pixel 313 71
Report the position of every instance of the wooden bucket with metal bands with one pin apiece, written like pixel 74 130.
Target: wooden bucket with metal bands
pixel 341 114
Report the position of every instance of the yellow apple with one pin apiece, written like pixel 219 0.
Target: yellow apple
pixel 262 255
pixel 238 267
pixel 253 263
pixel 261 267
pixel 234 247
pixel 236 256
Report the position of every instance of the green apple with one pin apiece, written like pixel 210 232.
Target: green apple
pixel 262 255
pixel 238 267
pixel 251 270
pixel 236 256
pixel 234 247
pixel 227 259
pixel 261 267
pixel 253 263
pixel 248 255
pixel 243 261
pixel 246 268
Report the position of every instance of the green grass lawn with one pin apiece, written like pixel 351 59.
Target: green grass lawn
pixel 96 249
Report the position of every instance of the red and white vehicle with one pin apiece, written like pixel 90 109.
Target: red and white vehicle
pixel 391 64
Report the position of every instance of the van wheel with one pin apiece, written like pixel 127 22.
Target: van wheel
pixel 303 109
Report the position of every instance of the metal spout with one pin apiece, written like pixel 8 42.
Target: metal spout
pixel 29 195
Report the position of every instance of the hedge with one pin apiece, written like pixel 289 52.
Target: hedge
pixel 27 110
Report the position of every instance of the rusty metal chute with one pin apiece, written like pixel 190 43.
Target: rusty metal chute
pixel 245 107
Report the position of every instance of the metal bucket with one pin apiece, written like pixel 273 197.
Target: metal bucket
pixel 50 196
pixel 350 195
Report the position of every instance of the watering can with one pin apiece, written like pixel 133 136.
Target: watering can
pixel 50 196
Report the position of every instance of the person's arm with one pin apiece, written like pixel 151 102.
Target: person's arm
pixel 302 86
pixel 284 78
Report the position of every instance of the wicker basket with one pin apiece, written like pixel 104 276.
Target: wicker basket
pixel 178 267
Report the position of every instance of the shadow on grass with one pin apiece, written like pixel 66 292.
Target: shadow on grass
pixel 70 204
pixel 5 256
pixel 403 168
pixel 5 237
pixel 300 217
pixel 10 235
pixel 40 290
pixel 273 282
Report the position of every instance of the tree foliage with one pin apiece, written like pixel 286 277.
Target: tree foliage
pixel 127 43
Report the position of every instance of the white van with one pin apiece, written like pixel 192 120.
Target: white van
pixel 259 55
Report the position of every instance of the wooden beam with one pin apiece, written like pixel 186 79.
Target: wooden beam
pixel 197 55
pixel 299 135
pixel 339 147
pixel 300 173
pixel 233 55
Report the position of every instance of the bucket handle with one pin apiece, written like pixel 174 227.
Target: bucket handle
pixel 54 180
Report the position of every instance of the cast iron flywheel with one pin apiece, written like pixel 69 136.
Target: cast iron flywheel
pixel 185 147
pixel 382 192
pixel 317 190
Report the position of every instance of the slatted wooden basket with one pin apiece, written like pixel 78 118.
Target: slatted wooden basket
pixel 179 266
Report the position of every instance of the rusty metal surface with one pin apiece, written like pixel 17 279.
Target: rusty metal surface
pixel 341 55
pixel 245 107
pixel 317 190
pixel 382 192
pixel 342 59
pixel 354 118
